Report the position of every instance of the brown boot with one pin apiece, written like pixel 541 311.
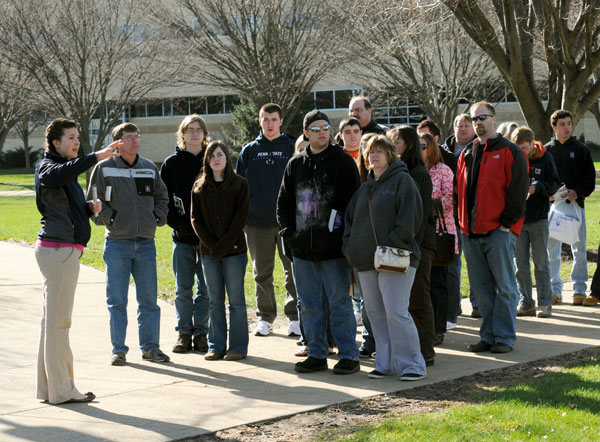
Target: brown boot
pixel 591 301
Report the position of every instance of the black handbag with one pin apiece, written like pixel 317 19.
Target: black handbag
pixel 445 253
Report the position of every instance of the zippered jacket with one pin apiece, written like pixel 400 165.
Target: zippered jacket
pixel 134 198
pixel 179 172
pixel 219 214
pixel 491 186
pixel 313 186
pixel 60 200
pixel 262 163
pixel 542 172
pixel 397 216
pixel 574 165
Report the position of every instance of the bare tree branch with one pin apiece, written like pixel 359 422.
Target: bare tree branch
pixel 265 50
pixel 565 34
pixel 90 59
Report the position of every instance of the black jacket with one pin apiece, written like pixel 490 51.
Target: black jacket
pixel 542 172
pixel 426 233
pixel 60 199
pixel 179 172
pixel 313 185
pixel 574 165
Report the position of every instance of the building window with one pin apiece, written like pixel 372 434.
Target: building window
pixel 180 106
pixel 154 108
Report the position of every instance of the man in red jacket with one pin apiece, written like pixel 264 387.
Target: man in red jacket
pixel 492 184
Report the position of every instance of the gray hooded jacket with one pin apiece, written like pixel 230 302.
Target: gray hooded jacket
pixel 397 215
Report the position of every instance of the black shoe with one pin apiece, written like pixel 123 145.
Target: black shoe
pixel 155 355
pixel 364 354
pixel 346 366
pixel 479 347
pixel 429 361
pixel 200 343
pixel 438 339
pixel 475 313
pixel 378 375
pixel 412 377
pixel 118 359
pixel 310 365
pixel 183 344
pixel 501 347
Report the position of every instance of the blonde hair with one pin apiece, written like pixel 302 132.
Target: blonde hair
pixel 183 128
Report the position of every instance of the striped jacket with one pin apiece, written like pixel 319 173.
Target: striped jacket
pixel 134 198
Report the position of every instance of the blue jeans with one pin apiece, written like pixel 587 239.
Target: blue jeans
pixel 490 263
pixel 472 293
pixel 534 234
pixel 579 274
pixel 227 274
pixel 192 311
pixel 368 343
pixel 317 281
pixel 123 258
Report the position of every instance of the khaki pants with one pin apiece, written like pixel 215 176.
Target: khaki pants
pixel 60 269
pixel 262 243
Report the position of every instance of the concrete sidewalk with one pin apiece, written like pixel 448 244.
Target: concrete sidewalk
pixel 191 396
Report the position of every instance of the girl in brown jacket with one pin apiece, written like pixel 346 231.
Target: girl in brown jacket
pixel 220 205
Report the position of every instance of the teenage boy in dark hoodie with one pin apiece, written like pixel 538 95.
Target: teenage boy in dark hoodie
pixel 543 183
pixel 316 188
pixel 262 163
pixel 576 171
pixel 179 172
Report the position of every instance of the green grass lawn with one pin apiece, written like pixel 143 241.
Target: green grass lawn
pixel 558 406
pixel 21 222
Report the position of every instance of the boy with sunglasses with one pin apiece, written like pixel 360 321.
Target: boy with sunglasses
pixel 316 188
pixel 492 184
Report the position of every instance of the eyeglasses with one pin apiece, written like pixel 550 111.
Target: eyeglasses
pixel 424 146
pixel 325 127
pixel 195 131
pixel 131 137
pixel 481 117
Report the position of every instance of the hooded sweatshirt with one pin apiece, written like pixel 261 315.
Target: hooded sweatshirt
pixel 262 163
pixel 179 172
pixel 542 173
pixel 397 215
pixel 315 186
pixel 574 165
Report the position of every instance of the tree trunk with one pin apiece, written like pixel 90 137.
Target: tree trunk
pixel 26 149
pixel 3 135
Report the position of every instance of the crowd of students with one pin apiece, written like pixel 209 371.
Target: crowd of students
pixel 325 202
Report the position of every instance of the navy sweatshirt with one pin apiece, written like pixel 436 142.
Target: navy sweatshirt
pixel 262 163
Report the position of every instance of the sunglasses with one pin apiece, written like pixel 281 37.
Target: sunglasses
pixel 319 128
pixel 481 117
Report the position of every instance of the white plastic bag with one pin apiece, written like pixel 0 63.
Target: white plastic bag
pixel 564 221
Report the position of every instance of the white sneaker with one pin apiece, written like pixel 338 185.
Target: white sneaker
pixel 294 329
pixel 358 317
pixel 263 328
pixel 450 325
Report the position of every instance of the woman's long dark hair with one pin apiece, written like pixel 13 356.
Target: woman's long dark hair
pixel 207 172
pixel 412 155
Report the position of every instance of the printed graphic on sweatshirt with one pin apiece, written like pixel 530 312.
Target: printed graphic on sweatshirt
pixel 270 158
pixel 312 207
